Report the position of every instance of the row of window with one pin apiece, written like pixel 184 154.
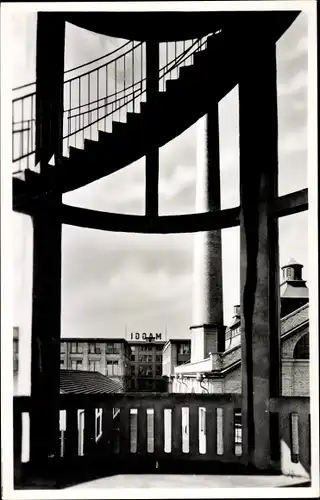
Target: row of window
pixel 93 348
pixel 146 371
pixel 146 358
pixel 112 367
pixel 146 348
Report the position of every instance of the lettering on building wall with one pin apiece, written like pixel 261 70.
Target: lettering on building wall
pixel 145 336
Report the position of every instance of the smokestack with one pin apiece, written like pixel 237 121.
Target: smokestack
pixel 207 329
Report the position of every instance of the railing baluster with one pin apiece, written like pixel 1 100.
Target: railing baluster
pixel 228 432
pixel 141 68
pixel 211 432
pixel 89 106
pixel 177 429
pixel 89 431
pixel 133 80
pixel 142 430
pixel 71 434
pixel 22 118
pixel 124 430
pixel 124 78
pixel 175 56
pixel 106 111
pixel 194 429
pixel 28 140
pixel 69 118
pixel 79 89
pixel 13 135
pixel 98 100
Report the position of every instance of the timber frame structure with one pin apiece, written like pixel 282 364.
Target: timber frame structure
pixel 239 48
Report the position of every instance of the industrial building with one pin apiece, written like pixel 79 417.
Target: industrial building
pixel 111 357
pixel 220 371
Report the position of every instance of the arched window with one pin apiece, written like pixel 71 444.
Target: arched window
pixel 301 350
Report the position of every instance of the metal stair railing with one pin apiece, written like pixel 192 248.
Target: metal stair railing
pixel 94 99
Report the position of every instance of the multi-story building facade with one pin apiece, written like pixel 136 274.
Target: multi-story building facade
pixel 175 352
pixel 111 357
pixel 146 364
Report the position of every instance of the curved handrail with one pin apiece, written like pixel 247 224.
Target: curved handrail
pixel 168 69
pixel 126 95
pixel 104 65
pixel 78 67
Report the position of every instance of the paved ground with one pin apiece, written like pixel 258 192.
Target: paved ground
pixel 189 481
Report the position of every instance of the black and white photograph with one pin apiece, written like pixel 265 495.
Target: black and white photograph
pixel 159 250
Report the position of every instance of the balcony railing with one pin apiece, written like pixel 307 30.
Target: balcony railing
pixel 158 426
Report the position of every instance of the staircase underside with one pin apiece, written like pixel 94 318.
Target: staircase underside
pixel 173 26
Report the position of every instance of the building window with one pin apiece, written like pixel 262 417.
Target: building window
pixel 98 423
pixel 145 370
pixel 76 364
pixel 62 348
pixel 113 348
pixel 76 347
pixel 145 348
pixel 158 369
pixel 94 348
pixel 301 350
pixel 158 348
pixel 61 361
pixel 184 348
pixel 113 368
pixel 158 358
pixel 133 357
pixel 116 348
pixel 94 365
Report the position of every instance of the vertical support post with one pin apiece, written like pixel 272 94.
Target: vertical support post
pixel 152 151
pixel 259 273
pixel 46 313
pixel 49 86
pixel 46 293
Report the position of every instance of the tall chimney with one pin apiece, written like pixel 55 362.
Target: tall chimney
pixel 207 330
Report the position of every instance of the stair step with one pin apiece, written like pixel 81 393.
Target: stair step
pixel 185 71
pixel 104 137
pixel 118 127
pixel 132 117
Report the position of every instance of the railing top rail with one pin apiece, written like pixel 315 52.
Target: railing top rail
pixel 65 401
pixel 20 87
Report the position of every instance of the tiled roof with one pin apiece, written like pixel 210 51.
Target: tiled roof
pixel 289 290
pixel 294 319
pixel 84 382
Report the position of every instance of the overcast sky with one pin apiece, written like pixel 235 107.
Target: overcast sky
pixel 144 281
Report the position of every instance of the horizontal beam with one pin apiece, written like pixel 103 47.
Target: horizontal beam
pixel 290 204
pixel 104 221
pixel 83 401
pixel 24 201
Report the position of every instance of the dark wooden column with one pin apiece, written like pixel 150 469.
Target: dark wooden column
pixel 259 272
pixel 49 86
pixel 46 312
pixel 152 151
pixel 46 292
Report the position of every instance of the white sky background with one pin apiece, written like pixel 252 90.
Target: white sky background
pixel 144 281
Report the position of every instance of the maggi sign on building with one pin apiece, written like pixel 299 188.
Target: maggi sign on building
pixel 146 336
